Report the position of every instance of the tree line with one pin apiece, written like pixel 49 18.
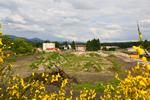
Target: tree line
pixel 24 46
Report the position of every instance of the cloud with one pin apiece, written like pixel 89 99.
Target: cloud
pixel 23 27
pixel 16 18
pixel 4 13
pixel 67 36
pixel 80 20
pixel 145 21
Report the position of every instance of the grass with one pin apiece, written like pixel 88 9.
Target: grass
pixel 117 66
pixel 114 82
pixel 86 62
pixel 115 62
pixel 11 59
pixel 99 86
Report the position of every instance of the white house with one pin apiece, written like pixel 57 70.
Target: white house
pixel 49 46
pixel 109 47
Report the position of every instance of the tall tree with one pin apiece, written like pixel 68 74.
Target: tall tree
pixel 93 45
pixel 57 44
pixel 73 45
pixel 22 46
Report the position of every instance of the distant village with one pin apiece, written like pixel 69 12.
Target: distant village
pixel 80 47
pixel 52 47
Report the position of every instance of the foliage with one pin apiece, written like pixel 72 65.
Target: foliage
pixel 17 45
pixel 121 44
pixel 98 87
pixel 73 45
pixel 57 44
pixel 146 45
pixel 21 46
pixel 7 41
pixel 115 62
pixel 93 45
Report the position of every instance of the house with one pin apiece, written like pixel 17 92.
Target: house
pixel 112 47
pixel 49 47
pixel 67 47
pixel 80 47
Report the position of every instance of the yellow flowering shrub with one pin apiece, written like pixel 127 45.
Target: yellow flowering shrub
pixel 136 86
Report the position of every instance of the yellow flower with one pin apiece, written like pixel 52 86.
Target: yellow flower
pixel 43 74
pixel 1 49
pixel 139 49
pixel 22 82
pixel 135 47
pixel 1 60
pixel 142 83
pixel 148 67
pixel 32 73
pixel 1 42
pixel 137 66
pixel 8 55
pixel 144 59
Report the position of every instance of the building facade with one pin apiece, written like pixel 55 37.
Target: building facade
pixel 49 46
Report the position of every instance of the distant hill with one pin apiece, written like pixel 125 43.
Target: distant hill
pixel 35 40
pixel 12 36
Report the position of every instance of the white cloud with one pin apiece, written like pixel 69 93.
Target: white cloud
pixel 17 18
pixel 4 12
pixel 68 36
pixel 23 27
pixel 145 21
pixel 76 19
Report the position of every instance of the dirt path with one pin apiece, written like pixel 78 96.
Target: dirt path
pixel 22 65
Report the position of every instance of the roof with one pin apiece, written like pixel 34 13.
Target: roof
pixel 51 49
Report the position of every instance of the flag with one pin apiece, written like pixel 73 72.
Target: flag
pixel 140 33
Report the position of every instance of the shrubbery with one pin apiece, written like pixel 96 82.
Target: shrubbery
pixel 17 45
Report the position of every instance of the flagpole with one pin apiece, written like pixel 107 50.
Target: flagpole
pixel 140 39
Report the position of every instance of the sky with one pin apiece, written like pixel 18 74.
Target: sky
pixel 78 20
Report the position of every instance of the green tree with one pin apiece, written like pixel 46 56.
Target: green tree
pixel 21 46
pixel 93 45
pixel 73 45
pixel 146 45
pixel 57 44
